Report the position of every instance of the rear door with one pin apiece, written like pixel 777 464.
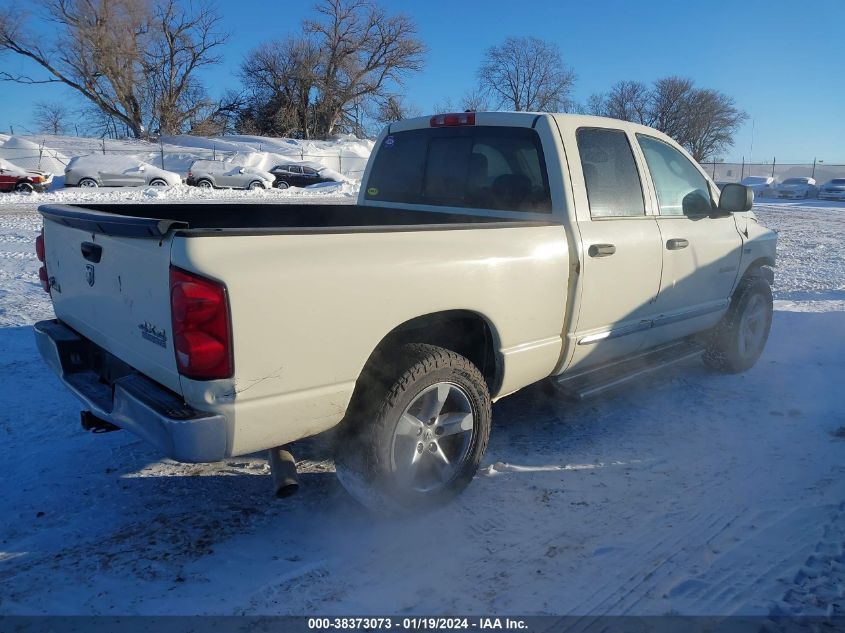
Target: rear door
pixel 701 249
pixel 113 289
pixel 621 246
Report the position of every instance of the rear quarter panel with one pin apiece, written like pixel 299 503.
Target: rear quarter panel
pixel 309 309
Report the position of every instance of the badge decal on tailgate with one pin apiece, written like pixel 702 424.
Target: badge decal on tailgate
pixel 153 334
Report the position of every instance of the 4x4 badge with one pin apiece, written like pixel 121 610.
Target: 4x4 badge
pixel 89 274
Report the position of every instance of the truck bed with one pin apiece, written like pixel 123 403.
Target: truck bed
pixel 154 220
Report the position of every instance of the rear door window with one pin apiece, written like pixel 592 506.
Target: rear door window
pixel 610 173
pixel 478 167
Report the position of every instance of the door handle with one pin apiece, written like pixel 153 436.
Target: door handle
pixel 601 250
pixel 676 244
pixel 92 252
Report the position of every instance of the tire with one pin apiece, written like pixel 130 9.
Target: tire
pixel 158 182
pixel 205 183
pixel 88 183
pixel 24 187
pixel 737 342
pixel 413 442
pixel 256 184
pixel 282 185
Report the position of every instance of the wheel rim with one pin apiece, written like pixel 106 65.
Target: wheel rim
pixel 752 328
pixel 204 184
pixel 432 438
pixel 158 183
pixel 282 185
pixel 256 185
pixel 87 182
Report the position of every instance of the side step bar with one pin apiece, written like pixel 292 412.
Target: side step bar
pixel 596 380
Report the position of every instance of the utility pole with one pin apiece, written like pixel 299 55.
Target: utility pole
pixel 774 160
pixel 814 168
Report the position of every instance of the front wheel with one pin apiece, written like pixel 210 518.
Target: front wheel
pixel 256 184
pixel 158 182
pixel 88 183
pixel 24 187
pixel 417 442
pixel 738 341
pixel 281 185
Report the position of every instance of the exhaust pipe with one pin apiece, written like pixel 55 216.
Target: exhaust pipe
pixel 283 468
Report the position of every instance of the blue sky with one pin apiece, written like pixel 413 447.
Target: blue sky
pixel 783 61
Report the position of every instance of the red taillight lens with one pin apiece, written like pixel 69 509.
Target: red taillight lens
pixel 44 279
pixel 201 331
pixel 39 246
pixel 453 120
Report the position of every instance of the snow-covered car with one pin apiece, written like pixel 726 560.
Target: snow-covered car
pixel 760 185
pixel 215 174
pixel 117 171
pixel 14 178
pixel 302 175
pixel 797 188
pixel 833 190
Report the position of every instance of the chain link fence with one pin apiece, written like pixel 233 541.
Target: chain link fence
pixel 55 157
pixel 735 172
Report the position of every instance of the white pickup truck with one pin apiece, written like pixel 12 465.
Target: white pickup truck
pixel 487 251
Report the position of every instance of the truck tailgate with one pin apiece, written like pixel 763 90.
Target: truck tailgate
pixel 110 281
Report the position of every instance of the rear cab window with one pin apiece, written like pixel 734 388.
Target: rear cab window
pixel 475 167
pixel 610 174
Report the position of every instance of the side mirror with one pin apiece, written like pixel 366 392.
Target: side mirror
pixel 735 198
pixel 142 168
pixel 241 170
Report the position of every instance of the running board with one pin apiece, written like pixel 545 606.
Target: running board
pixel 583 384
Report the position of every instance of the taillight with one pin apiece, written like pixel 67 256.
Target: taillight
pixel 42 257
pixel 202 335
pixel 39 246
pixel 453 120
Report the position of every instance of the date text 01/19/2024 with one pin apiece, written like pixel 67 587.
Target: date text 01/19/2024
pixel 416 623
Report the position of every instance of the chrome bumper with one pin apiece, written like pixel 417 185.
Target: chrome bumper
pixel 133 402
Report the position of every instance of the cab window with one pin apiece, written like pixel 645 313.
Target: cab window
pixel 681 189
pixel 478 167
pixel 610 173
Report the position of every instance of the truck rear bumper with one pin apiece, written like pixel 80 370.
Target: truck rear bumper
pixel 132 402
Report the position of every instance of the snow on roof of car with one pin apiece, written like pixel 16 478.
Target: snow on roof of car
pixel 12 168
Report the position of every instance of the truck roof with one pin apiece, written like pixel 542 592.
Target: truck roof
pixel 528 119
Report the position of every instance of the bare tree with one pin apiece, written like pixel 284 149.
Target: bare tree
pixel 344 67
pixel 51 118
pixel 133 59
pixel 363 51
pixel 527 73
pixel 703 120
pixel 393 109
pixel 471 101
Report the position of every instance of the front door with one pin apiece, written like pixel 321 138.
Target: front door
pixel 622 250
pixel 701 248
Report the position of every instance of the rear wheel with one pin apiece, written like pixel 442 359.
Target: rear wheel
pixel 158 182
pixel 417 442
pixel 205 184
pixel 24 187
pixel 88 183
pixel 738 341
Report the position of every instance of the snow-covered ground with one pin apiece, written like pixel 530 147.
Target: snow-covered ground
pixel 689 493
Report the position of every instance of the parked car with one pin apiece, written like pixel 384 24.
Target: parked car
pixel 487 251
pixel 116 171
pixel 797 188
pixel 762 186
pixel 301 175
pixel 216 174
pixel 833 190
pixel 14 178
